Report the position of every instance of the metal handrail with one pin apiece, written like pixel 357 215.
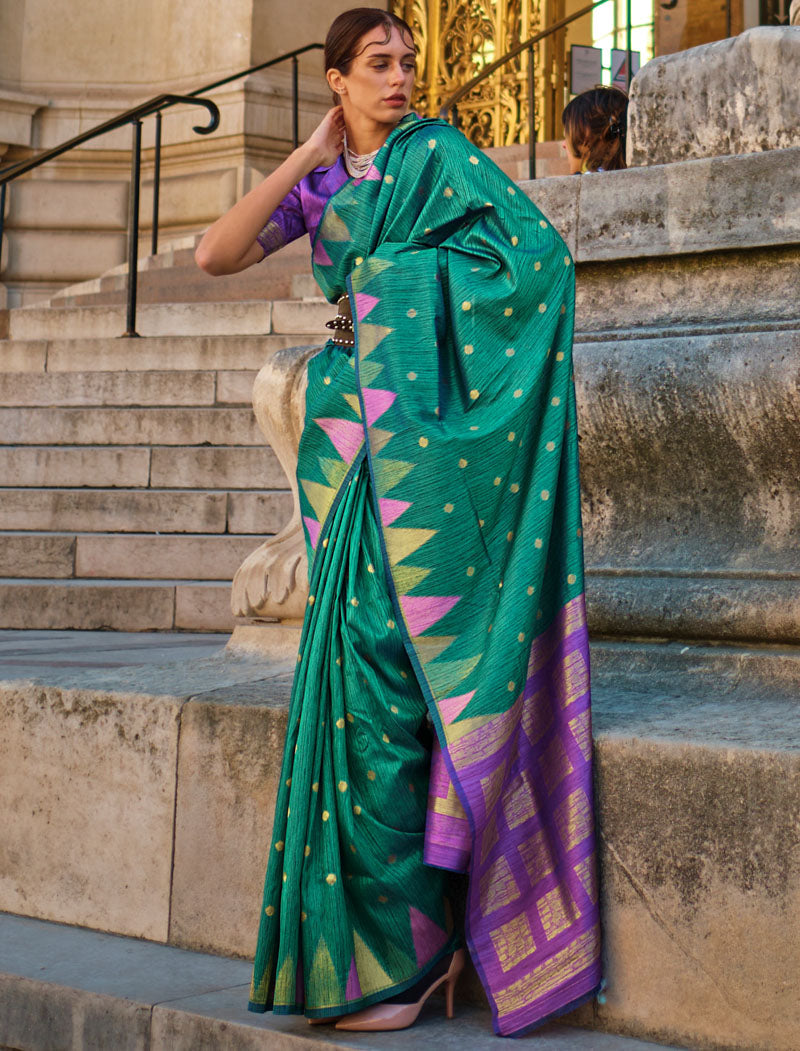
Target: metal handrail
pixel 144 109
pixel 528 45
pixel 293 55
pixel 135 116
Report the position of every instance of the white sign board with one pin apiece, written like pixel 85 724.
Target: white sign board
pixel 619 67
pixel 585 68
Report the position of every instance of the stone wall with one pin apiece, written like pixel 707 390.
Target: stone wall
pixel 740 95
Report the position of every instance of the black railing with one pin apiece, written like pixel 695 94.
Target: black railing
pixel 135 116
pixel 294 56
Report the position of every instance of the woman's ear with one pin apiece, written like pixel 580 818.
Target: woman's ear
pixel 336 82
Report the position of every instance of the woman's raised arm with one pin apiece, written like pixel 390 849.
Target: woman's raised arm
pixel 229 245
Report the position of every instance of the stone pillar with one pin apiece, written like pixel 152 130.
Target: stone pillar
pixel 739 95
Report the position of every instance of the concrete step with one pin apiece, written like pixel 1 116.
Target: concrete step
pixel 135 556
pixel 116 605
pixel 130 426
pixel 108 388
pixel 173 467
pixel 158 354
pixel 304 286
pixel 144 510
pixel 173 276
pixel 202 318
pixel 103 467
pixel 220 467
pixel 76 990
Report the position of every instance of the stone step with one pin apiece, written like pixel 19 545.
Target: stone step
pixel 138 556
pixel 104 467
pixel 128 467
pixel 202 318
pixel 304 286
pixel 130 426
pixel 109 388
pixel 116 605
pixel 221 467
pixel 80 990
pixel 173 276
pixel 144 510
pixel 165 353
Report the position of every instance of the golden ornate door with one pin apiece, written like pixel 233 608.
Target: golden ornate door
pixel 457 38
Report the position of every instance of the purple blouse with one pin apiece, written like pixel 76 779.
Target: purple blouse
pixel 301 209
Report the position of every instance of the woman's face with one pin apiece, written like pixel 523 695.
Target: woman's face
pixel 380 80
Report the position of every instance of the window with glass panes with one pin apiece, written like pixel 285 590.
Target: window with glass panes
pixel 609 23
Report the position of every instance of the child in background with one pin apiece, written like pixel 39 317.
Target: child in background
pixel 595 125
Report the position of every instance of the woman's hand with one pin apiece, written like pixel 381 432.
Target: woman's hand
pixel 325 144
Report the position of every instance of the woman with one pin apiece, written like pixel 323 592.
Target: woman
pixel 595 126
pixel 440 711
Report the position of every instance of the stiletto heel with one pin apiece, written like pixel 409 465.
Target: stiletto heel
pixel 401 1016
pixel 449 992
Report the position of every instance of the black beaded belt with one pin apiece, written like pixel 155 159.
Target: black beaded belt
pixel 342 324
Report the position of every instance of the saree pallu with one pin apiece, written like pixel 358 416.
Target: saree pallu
pixel 445 449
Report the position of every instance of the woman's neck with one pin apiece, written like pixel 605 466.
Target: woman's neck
pixel 365 135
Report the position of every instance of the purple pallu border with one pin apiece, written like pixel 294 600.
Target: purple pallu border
pixel 532 921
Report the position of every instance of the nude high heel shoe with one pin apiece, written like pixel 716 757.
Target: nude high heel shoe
pixel 401 1016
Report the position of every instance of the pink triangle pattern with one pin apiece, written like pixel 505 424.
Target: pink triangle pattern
pixel 392 509
pixel 346 435
pixel 364 303
pixel 313 527
pixel 376 402
pixel 320 255
pixel 421 611
pixel 428 936
pixel 353 990
pixel 373 175
pixel 451 707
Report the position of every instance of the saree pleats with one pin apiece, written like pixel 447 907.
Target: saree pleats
pixel 349 913
pixel 446 450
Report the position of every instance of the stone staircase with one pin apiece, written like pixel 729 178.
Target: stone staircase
pixel 135 479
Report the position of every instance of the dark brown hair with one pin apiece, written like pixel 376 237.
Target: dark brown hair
pixel 347 29
pixel 595 126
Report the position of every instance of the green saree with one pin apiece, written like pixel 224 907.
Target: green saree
pixel 439 490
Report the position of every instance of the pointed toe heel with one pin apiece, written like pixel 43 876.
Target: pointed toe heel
pixel 400 1016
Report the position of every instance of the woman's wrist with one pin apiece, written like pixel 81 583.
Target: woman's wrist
pixel 308 157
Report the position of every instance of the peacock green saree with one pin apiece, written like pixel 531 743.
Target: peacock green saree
pixel 440 712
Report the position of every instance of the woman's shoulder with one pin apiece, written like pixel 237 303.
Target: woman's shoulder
pixel 427 134
pixel 323 172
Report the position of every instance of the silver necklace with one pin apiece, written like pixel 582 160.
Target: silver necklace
pixel 357 164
